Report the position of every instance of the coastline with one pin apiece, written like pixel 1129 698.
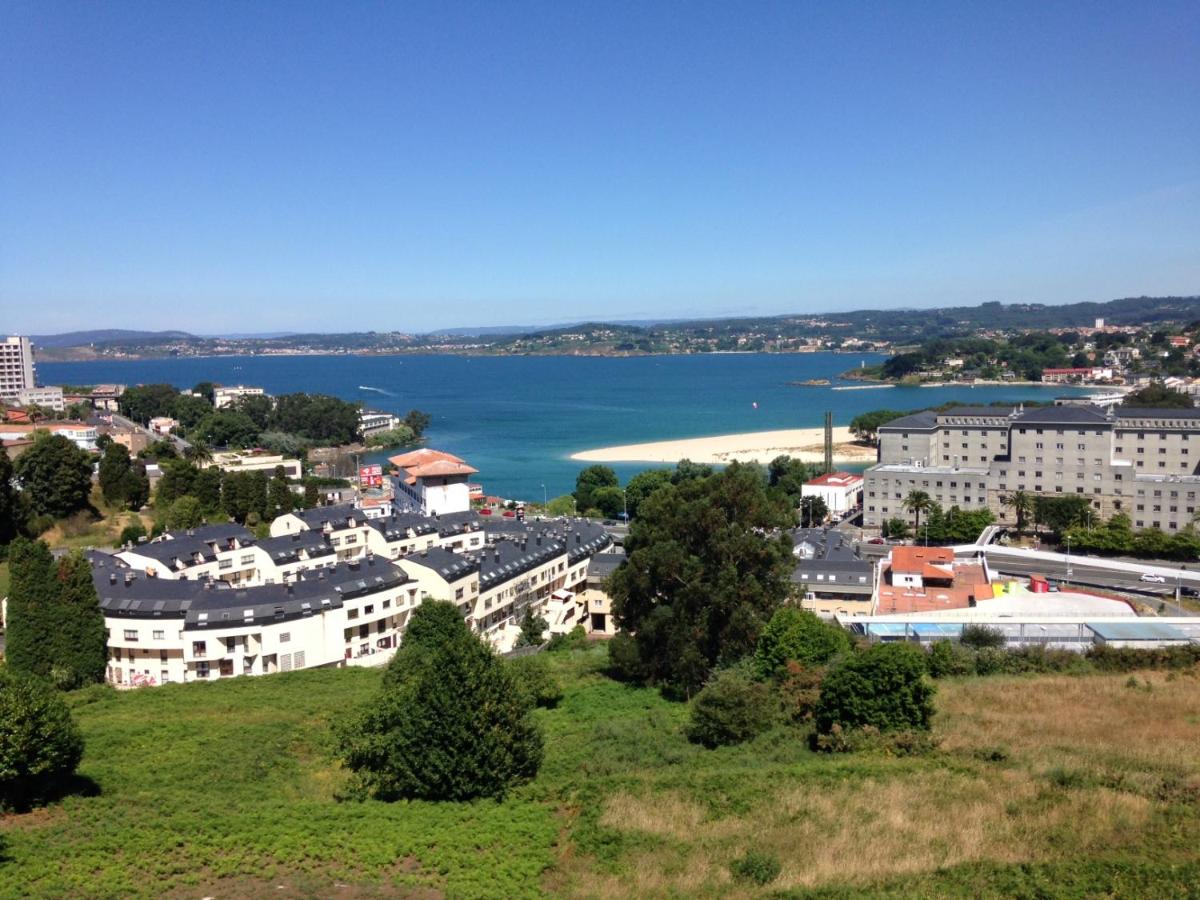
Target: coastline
pixel 805 444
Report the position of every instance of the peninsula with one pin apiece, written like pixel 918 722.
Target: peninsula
pixel 804 444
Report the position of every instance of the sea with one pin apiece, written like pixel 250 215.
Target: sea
pixel 519 418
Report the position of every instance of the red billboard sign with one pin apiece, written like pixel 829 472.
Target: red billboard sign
pixel 370 476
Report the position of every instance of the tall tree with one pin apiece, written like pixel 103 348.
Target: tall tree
pixel 916 503
pixel 30 599
pixel 417 422
pixel 590 480
pixel 642 485
pixel 707 566
pixel 1021 503
pixel 80 645
pixel 12 511
pixel 114 466
pixel 280 498
pixel 55 475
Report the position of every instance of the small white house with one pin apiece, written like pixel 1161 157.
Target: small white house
pixel 841 491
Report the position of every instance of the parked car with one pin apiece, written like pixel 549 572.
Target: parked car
pixel 1153 579
pixel 876 541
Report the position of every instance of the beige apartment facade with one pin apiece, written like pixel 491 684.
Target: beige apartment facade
pixel 1144 463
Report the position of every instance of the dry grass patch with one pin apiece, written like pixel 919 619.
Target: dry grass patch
pixel 859 831
pixel 1097 721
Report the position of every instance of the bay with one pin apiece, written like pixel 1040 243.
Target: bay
pixel 519 418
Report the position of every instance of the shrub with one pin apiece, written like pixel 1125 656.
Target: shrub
pixel 533 679
pixel 756 867
pixel 449 722
pixel 796 634
pixel 40 745
pixel 575 639
pixel 731 708
pixel 884 687
pixel 947 658
pixel 131 534
pixel 624 660
pixel 979 637
pixel 1129 659
pixel 799 690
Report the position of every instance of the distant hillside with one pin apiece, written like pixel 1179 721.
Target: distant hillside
pixel 109 336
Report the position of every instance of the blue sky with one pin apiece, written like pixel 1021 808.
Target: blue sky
pixel 352 166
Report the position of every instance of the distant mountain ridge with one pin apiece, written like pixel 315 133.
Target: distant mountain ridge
pixel 108 336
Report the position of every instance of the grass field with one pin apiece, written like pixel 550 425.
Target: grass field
pixel 1041 786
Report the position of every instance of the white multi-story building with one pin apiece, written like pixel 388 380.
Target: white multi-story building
pixel 45 397
pixel 329 587
pixel 841 491
pixel 227 396
pixel 437 482
pixel 372 421
pixel 16 367
pixel 82 435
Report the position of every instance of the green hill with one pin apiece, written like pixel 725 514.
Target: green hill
pixel 1042 786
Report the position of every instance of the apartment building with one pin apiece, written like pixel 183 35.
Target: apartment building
pixel 16 367
pixel 79 433
pixel 1141 462
pixel 435 481
pixel 329 587
pixel 372 421
pixel 45 397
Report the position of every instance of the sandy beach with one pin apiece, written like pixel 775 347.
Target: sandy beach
pixel 806 444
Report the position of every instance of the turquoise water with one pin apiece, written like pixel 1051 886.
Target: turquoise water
pixel 518 419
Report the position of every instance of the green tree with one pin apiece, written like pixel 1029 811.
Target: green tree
pixel 197 452
pixel 178 480
pixel 30 600
pixel 80 644
pixel 114 466
pixel 686 470
pixel 257 408
pixel 227 428
pixel 589 481
pixel 1157 396
pixel 789 475
pixel 144 402
pixel 533 628
pixel 563 505
pixel 55 475
pixel 449 722
pixel 813 511
pixel 610 501
pixel 40 745
pixel 135 486
pixel 884 687
pixel 642 485
pixel 280 497
pixel 865 426
pixel 895 528
pixel 732 708
pixel 1021 503
pixel 707 566
pixel 206 487
pixel 12 509
pixel 55 627
pixel 797 635
pixel 191 411
pixel 1058 512
pixel 417 422
pixel 185 513
pixel 916 503
pixel 207 390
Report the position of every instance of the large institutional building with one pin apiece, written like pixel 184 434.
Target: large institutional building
pixel 1144 463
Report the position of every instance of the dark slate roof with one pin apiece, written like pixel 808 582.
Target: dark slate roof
pixel 400 526
pixel 1063 415
pixel 451 566
pixel 995 412
pixel 1136 412
pixel 926 420
pixel 506 560
pixel 128 594
pixel 221 533
pixel 182 549
pixel 825 543
pixel 604 564
pixel 318 515
pixel 288 548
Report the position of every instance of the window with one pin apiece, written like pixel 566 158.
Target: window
pixel 160 635
pixel 130 634
pixel 458 594
pixel 284 637
pixel 225 564
pixel 352 614
pixel 198 648
pixel 247 559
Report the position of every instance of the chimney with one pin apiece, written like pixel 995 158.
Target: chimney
pixel 128 579
pixel 539 540
pixel 497 556
pixel 112 577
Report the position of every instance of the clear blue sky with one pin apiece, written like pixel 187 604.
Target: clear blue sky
pixel 351 166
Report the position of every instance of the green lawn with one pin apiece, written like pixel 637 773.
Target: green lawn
pixel 1046 786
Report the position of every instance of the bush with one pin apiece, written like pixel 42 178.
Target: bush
pixel 1130 659
pixel 731 708
pixel 756 867
pixel 947 658
pixel 131 534
pixel 624 660
pixel 883 687
pixel 979 637
pixel 796 634
pixel 449 723
pixel 575 639
pixel 40 745
pixel 533 679
pixel 799 690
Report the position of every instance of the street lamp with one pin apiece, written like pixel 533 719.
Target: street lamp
pixel 624 508
pixel 1068 556
pixel 545 502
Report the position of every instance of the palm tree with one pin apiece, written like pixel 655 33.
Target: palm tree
pixel 198 452
pixel 1021 504
pixel 916 503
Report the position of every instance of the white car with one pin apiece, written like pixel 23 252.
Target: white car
pixel 1153 579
